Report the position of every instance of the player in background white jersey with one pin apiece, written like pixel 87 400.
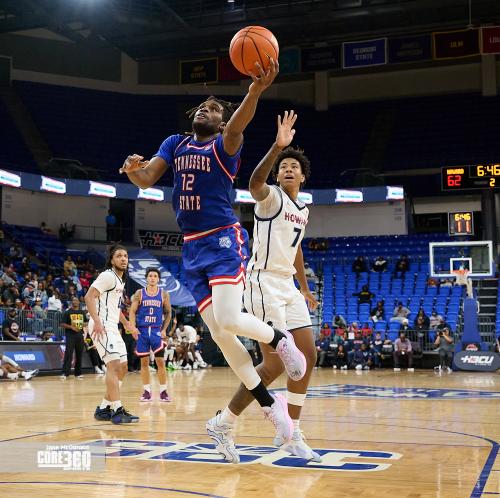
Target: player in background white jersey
pixel 103 301
pixel 270 293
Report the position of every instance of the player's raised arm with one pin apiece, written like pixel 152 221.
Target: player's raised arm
pixel 258 186
pixel 233 132
pixel 142 173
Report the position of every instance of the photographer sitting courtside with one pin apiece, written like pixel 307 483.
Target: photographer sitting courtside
pixel 445 347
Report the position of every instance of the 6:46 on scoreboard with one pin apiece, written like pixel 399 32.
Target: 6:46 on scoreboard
pixel 471 177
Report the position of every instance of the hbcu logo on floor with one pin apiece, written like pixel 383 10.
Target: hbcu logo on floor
pixel 333 459
pixel 354 391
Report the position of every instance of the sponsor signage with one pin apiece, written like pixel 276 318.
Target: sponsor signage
pixel 244 196
pixel 151 194
pixel 395 194
pixel 102 189
pixel 9 179
pixel 54 186
pixel 348 195
pixel 477 361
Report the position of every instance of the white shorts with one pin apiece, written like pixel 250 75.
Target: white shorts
pixel 272 297
pixel 110 345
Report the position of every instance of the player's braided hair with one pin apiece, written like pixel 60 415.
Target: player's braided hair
pixel 227 112
pixel 294 153
pixel 115 246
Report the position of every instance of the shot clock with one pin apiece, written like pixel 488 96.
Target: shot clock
pixel 471 177
pixel 461 223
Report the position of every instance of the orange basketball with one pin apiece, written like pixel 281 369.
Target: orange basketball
pixel 250 45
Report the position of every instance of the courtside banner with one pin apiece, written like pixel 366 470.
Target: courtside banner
pixel 410 49
pixel 365 53
pixel 321 58
pixel 490 40
pixel 477 361
pixel 456 44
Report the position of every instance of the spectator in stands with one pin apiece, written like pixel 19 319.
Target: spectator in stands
pixel 400 313
pixel 111 226
pixel 11 329
pixel 73 322
pixel 434 320
pixel 44 228
pixel 364 296
pixel 367 357
pixel 63 233
pixel 310 275
pixel 424 319
pixel 313 245
pixel 376 349
pixel 442 325
pixel 420 328
pixel 339 322
pixel 41 294
pixel 432 282
pixel 322 245
pixel 402 266
pixel 15 252
pixel 69 265
pixel 405 327
pixel 47 335
pixel 446 283
pixel 354 345
pixel 354 330
pixel 445 348
pixel 322 347
pixel 403 349
pixel 339 337
pixel 359 265
pixel 326 330
pixel 366 331
pixel 39 315
pixel 379 265
pixel 54 302
pixel 340 358
pixel 29 292
pixel 11 293
pixel 378 313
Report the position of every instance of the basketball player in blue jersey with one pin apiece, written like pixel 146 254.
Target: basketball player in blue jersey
pixel 150 312
pixel 215 246
pixel 270 293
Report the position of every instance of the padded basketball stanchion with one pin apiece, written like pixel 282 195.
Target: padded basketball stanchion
pixel 471 329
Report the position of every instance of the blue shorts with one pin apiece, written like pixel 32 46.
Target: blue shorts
pixel 149 340
pixel 214 259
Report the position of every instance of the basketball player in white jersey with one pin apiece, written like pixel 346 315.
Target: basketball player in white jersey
pixel 103 301
pixel 270 293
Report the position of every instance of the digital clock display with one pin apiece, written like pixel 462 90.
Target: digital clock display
pixel 461 223
pixel 471 177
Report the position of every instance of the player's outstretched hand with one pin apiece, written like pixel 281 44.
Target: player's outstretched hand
pixel 262 79
pixel 286 131
pixel 98 331
pixel 133 163
pixel 311 301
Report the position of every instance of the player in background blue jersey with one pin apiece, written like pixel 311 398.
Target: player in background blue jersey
pixel 150 315
pixel 215 250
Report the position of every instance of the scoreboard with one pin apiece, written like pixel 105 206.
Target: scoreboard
pixel 470 177
pixel 461 223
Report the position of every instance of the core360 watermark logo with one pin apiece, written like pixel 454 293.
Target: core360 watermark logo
pixel 332 459
pixel 65 457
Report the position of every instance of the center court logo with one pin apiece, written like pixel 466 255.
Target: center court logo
pixel 332 459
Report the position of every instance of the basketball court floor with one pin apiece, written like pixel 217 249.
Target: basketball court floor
pixel 381 434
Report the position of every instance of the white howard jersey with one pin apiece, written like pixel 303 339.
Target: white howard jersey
pixel 280 224
pixel 111 287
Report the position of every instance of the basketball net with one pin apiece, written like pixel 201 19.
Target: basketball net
pixel 461 278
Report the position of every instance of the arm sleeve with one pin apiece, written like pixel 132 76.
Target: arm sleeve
pixel 167 149
pixel 269 206
pixel 104 282
pixel 231 163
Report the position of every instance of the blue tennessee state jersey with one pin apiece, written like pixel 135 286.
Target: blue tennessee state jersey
pixel 150 312
pixel 203 180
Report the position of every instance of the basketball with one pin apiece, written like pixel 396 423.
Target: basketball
pixel 250 45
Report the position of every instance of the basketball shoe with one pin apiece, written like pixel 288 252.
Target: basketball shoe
pixel 103 413
pixel 146 396
pixel 220 433
pixel 292 357
pixel 298 447
pixel 277 413
pixel 165 397
pixel 122 416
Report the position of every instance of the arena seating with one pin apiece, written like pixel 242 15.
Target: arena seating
pixel 340 282
pixel 101 128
